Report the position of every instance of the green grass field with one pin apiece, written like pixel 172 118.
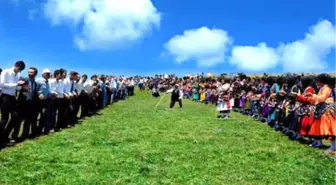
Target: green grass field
pixel 131 143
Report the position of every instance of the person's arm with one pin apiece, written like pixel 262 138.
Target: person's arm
pixel 181 94
pixel 321 97
pixel 277 89
pixel 170 90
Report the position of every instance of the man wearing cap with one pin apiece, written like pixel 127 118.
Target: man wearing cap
pixel 47 103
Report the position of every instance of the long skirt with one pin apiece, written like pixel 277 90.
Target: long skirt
pixel 242 102
pixel 325 126
pixel 305 125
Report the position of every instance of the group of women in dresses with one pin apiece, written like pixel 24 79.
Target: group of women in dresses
pixel 302 107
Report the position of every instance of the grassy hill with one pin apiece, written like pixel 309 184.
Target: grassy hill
pixel 131 143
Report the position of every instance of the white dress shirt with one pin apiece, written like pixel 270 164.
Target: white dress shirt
pixel 88 88
pixel 8 81
pixel 113 84
pixel 57 87
pixel 67 87
pixel 79 87
pixel 132 83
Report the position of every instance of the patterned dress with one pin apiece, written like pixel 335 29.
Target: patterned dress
pixel 323 125
pixel 223 101
pixel 306 116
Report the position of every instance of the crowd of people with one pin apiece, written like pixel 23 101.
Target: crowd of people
pixel 301 106
pixel 32 106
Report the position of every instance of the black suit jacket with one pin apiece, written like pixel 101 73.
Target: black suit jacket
pixel 22 97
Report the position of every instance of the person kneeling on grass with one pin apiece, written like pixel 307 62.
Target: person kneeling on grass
pixel 176 96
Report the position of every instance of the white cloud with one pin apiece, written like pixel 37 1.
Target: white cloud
pixel 310 53
pixel 254 58
pixel 104 24
pixel 206 46
pixel 303 55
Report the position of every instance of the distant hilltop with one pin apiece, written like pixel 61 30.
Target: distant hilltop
pixel 305 74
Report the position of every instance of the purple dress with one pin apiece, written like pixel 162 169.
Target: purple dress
pixel 242 101
pixel 208 95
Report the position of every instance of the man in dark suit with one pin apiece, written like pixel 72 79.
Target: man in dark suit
pixel 28 107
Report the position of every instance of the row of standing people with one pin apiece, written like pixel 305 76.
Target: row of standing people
pixel 301 107
pixel 52 102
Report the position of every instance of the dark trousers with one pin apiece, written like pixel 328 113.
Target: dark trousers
pixel 141 87
pixel 8 107
pixel 61 115
pixel 48 111
pixel 92 105
pixel 28 111
pixel 109 96
pixel 84 104
pixel 173 101
pixel 73 110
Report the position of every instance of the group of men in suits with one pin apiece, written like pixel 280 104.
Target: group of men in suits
pixel 50 104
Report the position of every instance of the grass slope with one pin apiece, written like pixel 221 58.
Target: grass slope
pixel 130 143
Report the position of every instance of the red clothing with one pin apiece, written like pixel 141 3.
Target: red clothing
pixel 307 119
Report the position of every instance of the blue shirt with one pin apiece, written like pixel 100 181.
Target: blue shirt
pixel 43 87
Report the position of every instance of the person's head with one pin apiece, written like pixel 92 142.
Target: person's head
pixel 333 81
pixel 32 72
pixel 63 73
pixel 19 66
pixel 57 74
pixel 94 77
pixel 308 81
pixel 323 79
pixel 46 74
pixel 291 80
pixel 84 78
pixel 73 75
pixel 270 80
pixel 280 80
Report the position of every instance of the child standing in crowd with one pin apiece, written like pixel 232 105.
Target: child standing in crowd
pixel 196 92
pixel 223 105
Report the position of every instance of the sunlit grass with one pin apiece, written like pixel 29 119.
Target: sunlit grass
pixel 131 143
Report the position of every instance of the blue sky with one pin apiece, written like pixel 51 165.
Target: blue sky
pixel 228 42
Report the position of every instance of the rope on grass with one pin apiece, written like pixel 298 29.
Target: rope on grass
pixel 159 101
